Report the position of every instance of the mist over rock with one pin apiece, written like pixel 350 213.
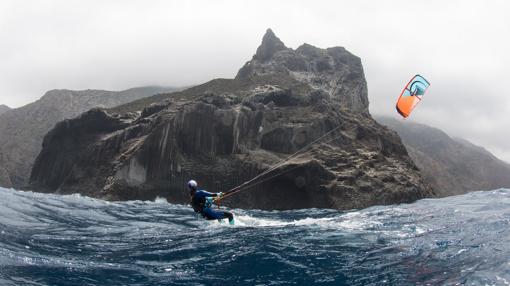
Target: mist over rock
pixel 4 108
pixel 226 131
pixel 453 166
pixel 22 129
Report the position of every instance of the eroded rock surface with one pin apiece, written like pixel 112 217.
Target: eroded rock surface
pixel 226 131
pixel 22 129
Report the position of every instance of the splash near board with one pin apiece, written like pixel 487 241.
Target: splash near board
pixel 412 95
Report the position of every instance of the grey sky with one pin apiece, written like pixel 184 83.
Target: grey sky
pixel 461 47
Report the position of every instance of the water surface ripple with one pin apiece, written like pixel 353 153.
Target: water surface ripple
pixel 73 240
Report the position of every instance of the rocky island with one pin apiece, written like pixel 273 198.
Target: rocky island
pixel 226 131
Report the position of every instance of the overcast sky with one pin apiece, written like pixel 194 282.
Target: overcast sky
pixel 461 47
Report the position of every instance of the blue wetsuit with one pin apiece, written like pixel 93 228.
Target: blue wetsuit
pixel 202 203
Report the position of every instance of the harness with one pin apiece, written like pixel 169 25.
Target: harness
pixel 201 204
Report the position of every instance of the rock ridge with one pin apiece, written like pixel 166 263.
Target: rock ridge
pixel 226 131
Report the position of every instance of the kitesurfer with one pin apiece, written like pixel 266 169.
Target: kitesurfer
pixel 202 202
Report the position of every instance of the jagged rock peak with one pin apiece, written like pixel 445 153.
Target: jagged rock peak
pixel 333 70
pixel 269 46
pixel 309 50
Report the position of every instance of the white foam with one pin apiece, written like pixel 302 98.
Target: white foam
pixel 160 200
pixel 246 220
pixel 502 280
pixel 349 223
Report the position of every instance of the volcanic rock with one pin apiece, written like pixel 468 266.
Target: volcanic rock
pixel 226 131
pixel 22 129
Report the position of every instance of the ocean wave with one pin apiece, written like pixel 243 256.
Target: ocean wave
pixel 48 239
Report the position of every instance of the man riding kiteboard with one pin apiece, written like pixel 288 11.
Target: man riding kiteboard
pixel 202 203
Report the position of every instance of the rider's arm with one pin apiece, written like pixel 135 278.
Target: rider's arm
pixel 208 194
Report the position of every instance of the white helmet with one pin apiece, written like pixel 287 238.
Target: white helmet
pixel 192 184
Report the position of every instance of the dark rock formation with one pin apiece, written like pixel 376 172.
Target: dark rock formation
pixel 22 129
pixel 334 71
pixel 453 166
pixel 5 180
pixel 226 131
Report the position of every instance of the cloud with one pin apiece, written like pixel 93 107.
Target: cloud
pixel 460 46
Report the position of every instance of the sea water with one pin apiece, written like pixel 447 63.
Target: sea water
pixel 50 239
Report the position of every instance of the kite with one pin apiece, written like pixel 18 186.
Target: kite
pixel 412 95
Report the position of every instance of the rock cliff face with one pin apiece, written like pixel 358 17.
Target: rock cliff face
pixel 453 166
pixel 226 131
pixel 4 175
pixel 334 71
pixel 22 129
